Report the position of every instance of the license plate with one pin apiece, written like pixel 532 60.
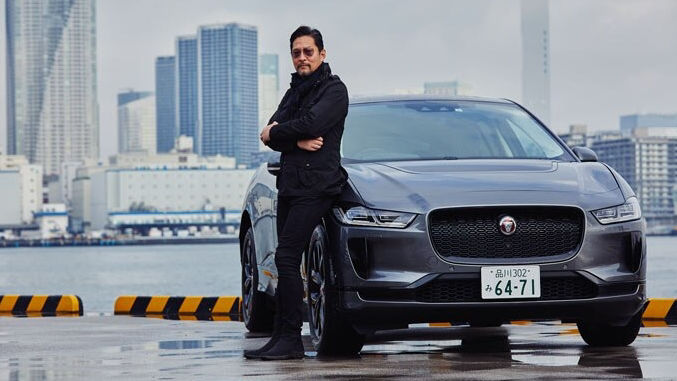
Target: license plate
pixel 511 282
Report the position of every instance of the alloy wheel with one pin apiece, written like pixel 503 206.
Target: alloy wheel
pixel 247 280
pixel 316 285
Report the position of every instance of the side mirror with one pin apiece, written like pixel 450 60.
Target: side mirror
pixel 274 167
pixel 585 154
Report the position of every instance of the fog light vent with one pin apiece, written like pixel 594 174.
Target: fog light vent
pixel 359 255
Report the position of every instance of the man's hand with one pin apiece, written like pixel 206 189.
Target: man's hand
pixel 310 144
pixel 265 134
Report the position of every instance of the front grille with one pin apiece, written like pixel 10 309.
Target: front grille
pixel 474 232
pixel 554 288
pixel 565 286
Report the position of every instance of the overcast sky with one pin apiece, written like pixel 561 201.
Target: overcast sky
pixel 608 57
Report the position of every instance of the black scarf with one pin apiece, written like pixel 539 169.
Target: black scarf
pixel 301 85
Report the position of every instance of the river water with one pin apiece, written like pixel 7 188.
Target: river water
pixel 100 274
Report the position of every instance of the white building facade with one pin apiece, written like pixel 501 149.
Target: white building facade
pixel 103 196
pixel 20 190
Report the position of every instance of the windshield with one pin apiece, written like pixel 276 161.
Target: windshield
pixel 432 130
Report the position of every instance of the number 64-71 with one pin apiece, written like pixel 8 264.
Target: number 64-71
pixel 508 287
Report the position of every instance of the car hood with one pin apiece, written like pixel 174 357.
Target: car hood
pixel 418 186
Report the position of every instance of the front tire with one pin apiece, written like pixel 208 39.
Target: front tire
pixel 256 315
pixel 605 335
pixel 329 333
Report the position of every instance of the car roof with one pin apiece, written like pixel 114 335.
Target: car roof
pixel 423 97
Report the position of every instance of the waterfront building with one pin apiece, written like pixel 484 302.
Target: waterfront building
pixel 52 108
pixel 186 86
pixel 648 162
pixel 227 91
pixel 52 221
pixel 269 90
pixel 161 186
pixel 449 88
pixel 629 122
pixel 165 103
pixel 20 190
pixel 536 58
pixel 136 122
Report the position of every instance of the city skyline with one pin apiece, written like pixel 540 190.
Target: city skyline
pixel 609 62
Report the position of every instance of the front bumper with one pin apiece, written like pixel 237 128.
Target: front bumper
pixel 611 309
pixel 373 265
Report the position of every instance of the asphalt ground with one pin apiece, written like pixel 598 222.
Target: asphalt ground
pixel 134 348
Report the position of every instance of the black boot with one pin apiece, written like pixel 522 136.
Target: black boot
pixel 288 346
pixel 277 329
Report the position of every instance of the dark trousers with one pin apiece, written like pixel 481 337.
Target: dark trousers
pixel 297 217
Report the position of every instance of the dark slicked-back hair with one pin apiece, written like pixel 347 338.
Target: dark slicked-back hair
pixel 304 30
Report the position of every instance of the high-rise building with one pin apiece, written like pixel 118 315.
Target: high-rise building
pixel 165 105
pixel 450 88
pixel 228 91
pixel 536 58
pixel 269 90
pixel 630 122
pixel 136 122
pixel 52 108
pixel 186 86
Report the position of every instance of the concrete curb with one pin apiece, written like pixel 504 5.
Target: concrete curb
pixel 40 305
pixel 180 307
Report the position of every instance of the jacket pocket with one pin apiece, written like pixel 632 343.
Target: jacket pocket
pixel 312 178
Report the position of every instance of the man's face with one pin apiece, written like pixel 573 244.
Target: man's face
pixel 305 55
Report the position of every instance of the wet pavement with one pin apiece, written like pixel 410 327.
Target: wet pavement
pixel 122 347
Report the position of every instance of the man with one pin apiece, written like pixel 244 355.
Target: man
pixel 307 129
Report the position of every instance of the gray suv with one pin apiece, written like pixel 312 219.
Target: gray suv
pixel 457 210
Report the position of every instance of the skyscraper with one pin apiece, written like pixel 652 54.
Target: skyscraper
pixel 165 105
pixel 136 122
pixel 186 86
pixel 269 89
pixel 228 91
pixel 52 108
pixel 536 58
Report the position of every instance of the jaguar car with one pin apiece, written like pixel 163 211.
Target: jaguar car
pixel 456 210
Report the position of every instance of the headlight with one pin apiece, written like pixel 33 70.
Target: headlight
pixel 362 216
pixel 626 212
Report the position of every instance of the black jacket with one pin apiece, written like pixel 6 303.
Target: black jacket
pixel 314 106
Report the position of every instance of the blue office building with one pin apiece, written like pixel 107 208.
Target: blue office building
pixel 186 86
pixel 228 91
pixel 630 122
pixel 165 105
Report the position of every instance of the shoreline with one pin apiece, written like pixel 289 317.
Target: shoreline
pixel 63 242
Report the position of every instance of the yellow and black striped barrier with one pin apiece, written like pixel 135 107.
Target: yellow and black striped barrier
pixel 661 312
pixel 225 308
pixel 40 305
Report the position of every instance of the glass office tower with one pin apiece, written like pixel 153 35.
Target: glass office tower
pixel 186 86
pixel 228 91
pixel 165 104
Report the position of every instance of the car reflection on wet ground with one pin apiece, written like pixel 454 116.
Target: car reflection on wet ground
pixel 106 347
